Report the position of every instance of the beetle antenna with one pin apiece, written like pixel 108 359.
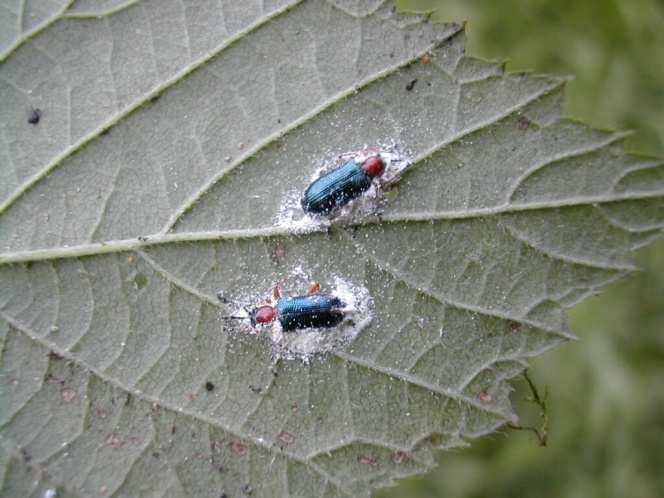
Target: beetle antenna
pixel 232 317
pixel 221 295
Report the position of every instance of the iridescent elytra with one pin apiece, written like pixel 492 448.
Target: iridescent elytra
pixel 341 185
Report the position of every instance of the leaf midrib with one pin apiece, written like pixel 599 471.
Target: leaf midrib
pixel 158 239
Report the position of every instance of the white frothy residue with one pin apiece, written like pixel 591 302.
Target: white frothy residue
pixel 292 217
pixel 303 344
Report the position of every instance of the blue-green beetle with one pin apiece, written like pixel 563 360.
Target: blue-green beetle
pixel 338 187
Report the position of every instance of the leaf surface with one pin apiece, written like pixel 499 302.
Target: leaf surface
pixel 170 134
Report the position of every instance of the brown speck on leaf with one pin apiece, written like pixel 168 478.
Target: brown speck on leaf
pixel 68 395
pixel 426 59
pixel 515 326
pixel 54 356
pixel 485 397
pixel 367 460
pixel 240 449
pixel 524 123
pixel 314 288
pixel 131 259
pixel 286 437
pixel 173 429
pixel 100 413
pixel 399 457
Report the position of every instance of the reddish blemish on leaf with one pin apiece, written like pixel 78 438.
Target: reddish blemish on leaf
pixel 240 449
pixel 399 457
pixel 367 460
pixel 68 395
pixel 286 437
pixel 485 397
pixel 524 123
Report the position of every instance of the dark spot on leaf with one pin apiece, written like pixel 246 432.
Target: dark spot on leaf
pixel 128 400
pixel 222 297
pixel 247 489
pixel 155 454
pixel 426 59
pixel 524 123
pixel 209 386
pixel 515 326
pixel 255 389
pixel 54 356
pixel 223 495
pixel 34 116
pixel 154 98
pixel 173 429
pixel 142 238
pixel 411 85
pixel 26 456
pixel 140 281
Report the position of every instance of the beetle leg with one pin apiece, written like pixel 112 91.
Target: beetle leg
pixel 314 288
pixel 277 292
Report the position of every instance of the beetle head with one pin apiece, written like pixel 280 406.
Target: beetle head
pixel 263 314
pixel 374 166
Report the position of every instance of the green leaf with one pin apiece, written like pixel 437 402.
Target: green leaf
pixel 170 135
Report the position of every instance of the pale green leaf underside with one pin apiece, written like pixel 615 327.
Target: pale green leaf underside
pixel 508 216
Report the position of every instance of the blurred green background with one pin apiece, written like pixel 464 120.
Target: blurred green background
pixel 606 391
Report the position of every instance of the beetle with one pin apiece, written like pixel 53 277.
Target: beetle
pixel 338 187
pixel 312 310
